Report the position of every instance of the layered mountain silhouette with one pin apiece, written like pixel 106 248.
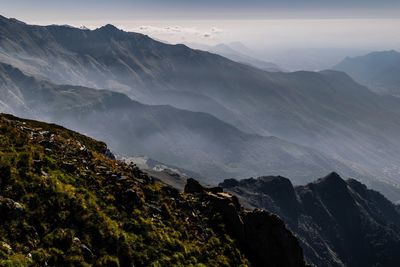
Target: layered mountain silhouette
pixel 338 222
pixel 326 111
pixel 377 70
pixel 193 140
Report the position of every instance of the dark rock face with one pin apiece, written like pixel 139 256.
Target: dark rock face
pixel 193 187
pixel 278 193
pixel 338 222
pixel 274 245
pixel 262 235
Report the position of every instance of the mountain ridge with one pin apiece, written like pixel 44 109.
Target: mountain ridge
pixel 193 140
pixel 377 70
pixel 338 222
pixel 325 111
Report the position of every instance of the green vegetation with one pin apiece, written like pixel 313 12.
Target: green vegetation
pixel 65 202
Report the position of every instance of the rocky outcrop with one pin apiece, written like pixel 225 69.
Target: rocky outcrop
pixel 338 222
pixel 277 193
pixel 262 235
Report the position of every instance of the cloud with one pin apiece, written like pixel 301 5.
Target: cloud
pixel 179 31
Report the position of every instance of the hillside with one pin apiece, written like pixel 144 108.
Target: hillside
pixel 338 222
pixel 377 70
pixel 65 201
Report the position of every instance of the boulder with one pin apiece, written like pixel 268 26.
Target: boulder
pixel 193 187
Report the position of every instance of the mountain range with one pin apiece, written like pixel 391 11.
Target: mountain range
pixel 65 199
pixel 197 141
pixel 377 70
pixel 204 112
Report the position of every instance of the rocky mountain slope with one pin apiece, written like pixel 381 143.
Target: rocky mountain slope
pixel 65 201
pixel 326 111
pixel 195 141
pixel 377 70
pixel 338 222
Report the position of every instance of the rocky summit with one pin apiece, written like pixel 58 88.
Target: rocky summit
pixel 338 222
pixel 65 201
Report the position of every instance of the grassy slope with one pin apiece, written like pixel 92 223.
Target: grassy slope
pixel 65 203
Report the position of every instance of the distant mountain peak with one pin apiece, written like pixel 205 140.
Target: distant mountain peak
pixel 333 175
pixel 109 28
pixel 378 70
pixel 5 19
pixel 332 179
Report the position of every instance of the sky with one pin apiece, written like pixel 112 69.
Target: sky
pixel 180 9
pixel 262 25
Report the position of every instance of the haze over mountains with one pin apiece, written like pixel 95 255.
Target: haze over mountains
pixel 216 115
pixel 221 115
pixel 377 70
pixel 229 51
pixel 197 141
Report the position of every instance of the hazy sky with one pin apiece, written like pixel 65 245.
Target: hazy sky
pixel 260 24
pixel 80 9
